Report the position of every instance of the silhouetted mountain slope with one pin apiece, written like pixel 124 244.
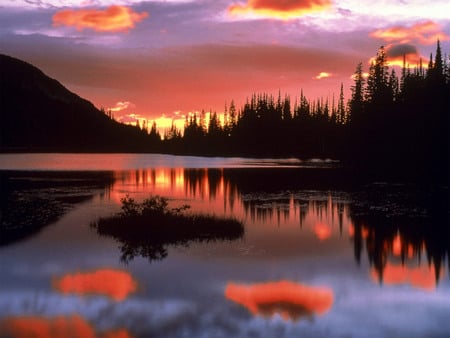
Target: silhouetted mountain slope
pixel 38 113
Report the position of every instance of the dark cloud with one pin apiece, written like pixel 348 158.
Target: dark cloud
pixel 404 54
pixel 401 49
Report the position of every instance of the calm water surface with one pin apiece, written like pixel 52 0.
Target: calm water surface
pixel 322 255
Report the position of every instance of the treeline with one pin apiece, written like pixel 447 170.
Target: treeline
pixel 401 122
pixel 391 122
pixel 264 126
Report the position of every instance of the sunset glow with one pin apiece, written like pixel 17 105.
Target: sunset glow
pixel 112 19
pixel 121 105
pixel 322 75
pixel 162 60
pixel 116 284
pixel 287 299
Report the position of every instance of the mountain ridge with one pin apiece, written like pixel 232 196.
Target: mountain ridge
pixel 39 114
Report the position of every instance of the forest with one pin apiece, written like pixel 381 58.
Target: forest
pixel 391 123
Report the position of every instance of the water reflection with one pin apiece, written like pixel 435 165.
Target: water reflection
pixel 292 274
pixel 403 231
pixel 289 300
pixel 414 254
pixel 389 222
pixel 61 326
pixel 421 276
pixel 29 201
pixel 116 284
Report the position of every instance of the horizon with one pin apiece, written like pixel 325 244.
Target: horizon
pixel 162 60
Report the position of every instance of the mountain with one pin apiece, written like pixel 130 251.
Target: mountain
pixel 38 113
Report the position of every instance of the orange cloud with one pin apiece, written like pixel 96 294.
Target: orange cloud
pixel 40 327
pixel 421 277
pixel 426 32
pixel 288 299
pixel 276 9
pixel 115 284
pixel 112 19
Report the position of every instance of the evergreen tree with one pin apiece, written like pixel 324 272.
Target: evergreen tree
pixel 287 115
pixel 357 99
pixel 341 114
pixel 378 92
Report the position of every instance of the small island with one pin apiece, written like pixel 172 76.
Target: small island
pixel 148 228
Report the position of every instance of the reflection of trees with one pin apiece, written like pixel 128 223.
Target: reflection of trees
pixel 380 213
pixel 265 193
pixel 389 234
pixel 210 183
pixel 267 209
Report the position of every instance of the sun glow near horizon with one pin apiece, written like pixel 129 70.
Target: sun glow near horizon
pixel 133 56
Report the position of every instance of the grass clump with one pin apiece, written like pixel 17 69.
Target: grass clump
pixel 148 228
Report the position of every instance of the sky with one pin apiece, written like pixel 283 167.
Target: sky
pixel 164 59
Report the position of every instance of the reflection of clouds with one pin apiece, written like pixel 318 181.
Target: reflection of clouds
pixel 208 316
pixel 57 327
pixel 115 284
pixel 288 299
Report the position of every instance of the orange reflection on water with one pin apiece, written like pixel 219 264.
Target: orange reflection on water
pixel 364 231
pixel 398 247
pixel 288 299
pixel 115 284
pixel 58 327
pixel 322 231
pixel 422 277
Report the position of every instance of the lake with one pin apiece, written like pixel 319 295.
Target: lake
pixel 323 254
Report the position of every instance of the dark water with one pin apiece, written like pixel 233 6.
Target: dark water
pixel 322 255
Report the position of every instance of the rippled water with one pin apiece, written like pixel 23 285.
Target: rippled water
pixel 321 256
